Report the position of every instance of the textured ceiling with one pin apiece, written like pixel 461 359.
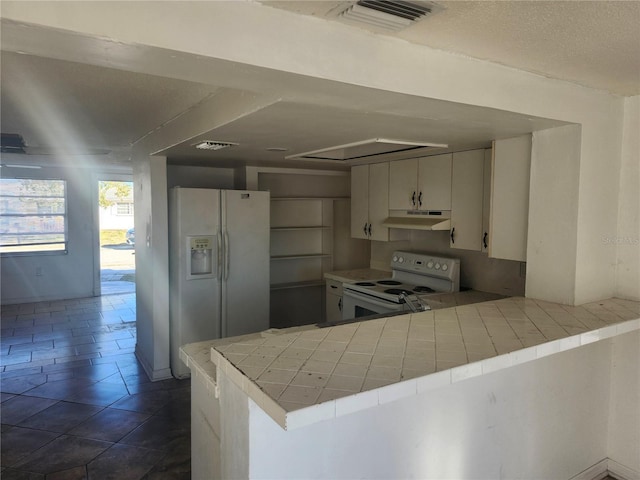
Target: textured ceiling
pixel 592 43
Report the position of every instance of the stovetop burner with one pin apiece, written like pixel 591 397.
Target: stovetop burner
pixel 398 291
pixel 388 282
pixel 366 284
pixel 423 289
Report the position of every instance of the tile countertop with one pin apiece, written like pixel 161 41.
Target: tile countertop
pixel 304 375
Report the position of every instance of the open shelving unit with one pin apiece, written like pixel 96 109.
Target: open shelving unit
pixel 301 241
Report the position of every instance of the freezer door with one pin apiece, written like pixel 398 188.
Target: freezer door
pixel 245 269
pixel 194 298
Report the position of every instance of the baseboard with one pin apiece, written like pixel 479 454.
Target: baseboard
pixel 154 375
pixel 621 472
pixel 595 472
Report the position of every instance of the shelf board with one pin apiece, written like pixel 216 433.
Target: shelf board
pixel 318 227
pixel 308 198
pixel 302 256
pixel 289 285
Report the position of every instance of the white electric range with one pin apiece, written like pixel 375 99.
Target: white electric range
pixel 412 275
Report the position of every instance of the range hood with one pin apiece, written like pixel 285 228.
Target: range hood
pixel 365 149
pixel 435 220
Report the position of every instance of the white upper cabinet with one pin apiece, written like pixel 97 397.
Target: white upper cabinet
pixel 360 201
pixel 466 200
pixel 509 216
pixel 370 201
pixel 421 183
pixel 486 199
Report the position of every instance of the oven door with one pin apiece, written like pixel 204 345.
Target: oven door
pixel 356 305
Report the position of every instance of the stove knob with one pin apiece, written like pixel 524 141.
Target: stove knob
pixel 437 266
pixel 395 258
pixel 430 264
pixel 445 267
pixel 401 259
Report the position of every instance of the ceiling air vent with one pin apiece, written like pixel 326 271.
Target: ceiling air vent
pixel 389 14
pixel 213 145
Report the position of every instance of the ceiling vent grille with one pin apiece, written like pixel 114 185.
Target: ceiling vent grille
pixel 389 14
pixel 213 145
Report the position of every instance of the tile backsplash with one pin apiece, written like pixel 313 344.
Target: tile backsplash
pixel 477 270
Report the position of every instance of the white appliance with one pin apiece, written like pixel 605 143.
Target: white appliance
pixel 413 276
pixel 218 266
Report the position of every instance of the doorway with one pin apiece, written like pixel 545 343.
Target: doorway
pixel 116 230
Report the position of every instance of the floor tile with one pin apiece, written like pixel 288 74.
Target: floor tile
pixel 100 393
pixel 123 462
pixel 23 384
pixel 75 473
pixel 147 402
pixel 11 474
pixel 63 453
pixel 18 442
pixel 61 417
pixel 49 383
pixel 60 390
pixel 158 433
pixel 22 407
pixel 176 465
pixel 109 425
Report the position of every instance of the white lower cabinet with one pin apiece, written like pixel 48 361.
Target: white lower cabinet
pixel 333 301
pixel 467 200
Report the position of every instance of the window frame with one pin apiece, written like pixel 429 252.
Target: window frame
pixel 35 251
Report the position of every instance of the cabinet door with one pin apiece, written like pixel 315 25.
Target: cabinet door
pixel 378 200
pixel 359 201
pixel 510 198
pixel 486 199
pixel 466 200
pixel 434 182
pixel 403 179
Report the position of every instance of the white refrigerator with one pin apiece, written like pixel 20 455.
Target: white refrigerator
pixel 218 266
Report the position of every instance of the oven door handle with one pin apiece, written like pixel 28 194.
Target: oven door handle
pixel 370 299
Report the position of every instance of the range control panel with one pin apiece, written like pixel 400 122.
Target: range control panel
pixel 425 264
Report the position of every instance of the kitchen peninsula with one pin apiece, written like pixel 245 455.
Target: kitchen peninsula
pixel 501 389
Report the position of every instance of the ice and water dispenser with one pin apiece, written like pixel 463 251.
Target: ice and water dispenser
pixel 200 255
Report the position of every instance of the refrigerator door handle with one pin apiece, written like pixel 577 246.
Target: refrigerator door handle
pixel 226 255
pixel 219 256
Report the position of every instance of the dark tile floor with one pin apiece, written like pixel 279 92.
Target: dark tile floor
pixel 77 404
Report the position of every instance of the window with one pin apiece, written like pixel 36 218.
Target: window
pixel 33 215
pixel 124 208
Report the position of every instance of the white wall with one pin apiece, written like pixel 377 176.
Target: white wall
pixel 543 419
pixel 624 411
pixel 152 265
pixel 63 276
pixel 199 177
pixel 553 215
pixel 627 238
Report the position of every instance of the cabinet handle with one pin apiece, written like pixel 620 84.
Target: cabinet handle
pixel 365 228
pixel 484 239
pixel 340 304
pixel 420 199
pixel 369 229
pixel 452 235
pixel 413 199
pixel 333 286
